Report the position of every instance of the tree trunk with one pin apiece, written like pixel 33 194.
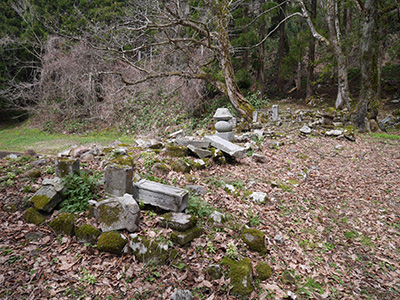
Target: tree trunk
pixel 230 88
pixel 261 66
pixel 369 65
pixel 311 54
pixel 282 46
pixel 343 96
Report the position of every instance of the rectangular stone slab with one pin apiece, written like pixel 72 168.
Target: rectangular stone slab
pixel 160 195
pixel 226 146
pixel 195 143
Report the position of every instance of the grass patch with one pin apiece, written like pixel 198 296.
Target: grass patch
pixel 385 136
pixel 20 138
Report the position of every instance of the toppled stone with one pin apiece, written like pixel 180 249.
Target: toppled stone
pixel 181 295
pixel 259 158
pixel 33 216
pixel 38 163
pixel 87 234
pixel 112 242
pixel 226 146
pixel 118 180
pixel 334 132
pixel 199 164
pixel 198 144
pixel 201 153
pixel 63 224
pixel 197 189
pixel 177 151
pixel 258 133
pixel 56 183
pixel 259 197
pixel 160 168
pixel 148 251
pixel 78 151
pixel 218 157
pixel 65 166
pixel 181 166
pixel 183 238
pixel 177 221
pixel 217 217
pixel 214 271
pixel 33 236
pixel 32 173
pixel 241 276
pixel 264 271
pixel 160 195
pixel 87 157
pixel 46 199
pixel 305 129
pixel 118 213
pixel 254 238
pixel 287 278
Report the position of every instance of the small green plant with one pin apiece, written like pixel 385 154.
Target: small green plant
pixel 210 248
pixel 79 189
pixel 231 251
pixel 254 219
pixel 197 206
pixel 351 234
pixel 88 278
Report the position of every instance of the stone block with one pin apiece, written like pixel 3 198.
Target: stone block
pixel 177 221
pixel 46 199
pixel 118 213
pixel 160 195
pixel 118 180
pixel 226 146
pixel 65 166
pixel 229 136
pixel 201 153
pixel 196 143
pixel 183 238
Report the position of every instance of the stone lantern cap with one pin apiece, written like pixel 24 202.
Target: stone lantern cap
pixel 222 114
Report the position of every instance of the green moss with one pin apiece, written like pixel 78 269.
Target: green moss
pixel 160 168
pixel 87 234
pixel 176 151
pixel 111 242
pixel 181 166
pixel 65 166
pixel 9 208
pixel 254 239
pixel 168 221
pixel 215 271
pixel 108 214
pixel 123 160
pixel 63 224
pixel 287 278
pixel 264 271
pixel 241 276
pixel 40 201
pixel 148 251
pixel 183 238
pixel 218 157
pixel 33 216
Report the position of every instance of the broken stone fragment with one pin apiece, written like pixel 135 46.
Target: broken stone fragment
pixel 241 276
pixel 163 196
pixel 87 234
pixel 197 189
pixel 254 239
pixel 177 221
pixel 305 129
pixel 112 242
pixel 33 216
pixel 46 199
pixel 215 271
pixel 183 238
pixel 148 251
pixel 259 197
pixel 65 166
pixel 118 180
pixel 201 153
pixel 63 224
pixel 160 168
pixel 226 146
pixel 217 217
pixel 176 151
pixel 264 271
pixel 181 166
pixel 118 213
pixel 259 158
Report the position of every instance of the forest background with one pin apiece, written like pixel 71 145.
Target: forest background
pixel 143 65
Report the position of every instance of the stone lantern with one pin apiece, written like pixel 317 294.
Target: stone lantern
pixel 224 124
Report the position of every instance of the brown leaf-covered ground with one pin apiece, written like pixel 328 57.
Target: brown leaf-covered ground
pixel 337 210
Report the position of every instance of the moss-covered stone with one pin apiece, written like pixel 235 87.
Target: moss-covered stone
pixel 33 216
pixel 65 166
pixel 254 239
pixel 123 160
pixel 264 271
pixel 160 168
pixel 109 214
pixel 214 271
pixel 177 221
pixel 183 238
pixel 177 151
pixel 87 234
pixel 112 242
pixel 241 276
pixel 287 278
pixel 46 199
pixel 63 224
pixel 198 164
pixel 148 251
pixel 218 157
pixel 32 173
pixel 181 166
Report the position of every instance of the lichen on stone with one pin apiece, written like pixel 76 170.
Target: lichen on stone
pixel 254 239
pixel 181 166
pixel 112 242
pixel 63 224
pixel 176 151
pixel 183 238
pixel 109 214
pixel 264 271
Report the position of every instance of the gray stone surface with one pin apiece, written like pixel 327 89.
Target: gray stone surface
pixel 222 114
pixel 177 221
pixel 118 180
pixel 217 217
pixel 258 133
pixel 197 189
pixel 118 213
pixel 160 195
pixel 259 197
pixel 259 158
pixel 334 132
pixel 229 136
pixel 65 166
pixel 181 295
pixel 305 129
pixel 54 182
pixel 275 113
pixel 223 126
pixel 46 199
pixel 201 153
pixel 190 141
pixel 226 146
